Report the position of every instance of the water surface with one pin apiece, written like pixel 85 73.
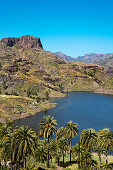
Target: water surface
pixel 88 110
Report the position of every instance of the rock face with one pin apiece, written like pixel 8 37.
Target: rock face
pixel 26 42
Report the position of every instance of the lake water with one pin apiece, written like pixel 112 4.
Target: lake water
pixel 88 110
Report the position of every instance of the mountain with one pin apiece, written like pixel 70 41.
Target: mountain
pixel 30 76
pixel 101 59
pixel 64 56
pixel 90 58
pixel 105 60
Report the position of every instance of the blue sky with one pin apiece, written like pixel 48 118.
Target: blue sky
pixel 74 27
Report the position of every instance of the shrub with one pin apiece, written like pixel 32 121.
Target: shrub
pixel 47 95
pixel 31 91
pixel 38 99
pixel 19 108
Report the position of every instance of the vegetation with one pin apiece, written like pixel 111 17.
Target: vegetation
pixel 16 107
pixel 23 148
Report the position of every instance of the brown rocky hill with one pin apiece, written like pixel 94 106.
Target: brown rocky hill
pixel 29 76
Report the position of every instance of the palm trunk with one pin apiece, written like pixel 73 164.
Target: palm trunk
pixel 58 161
pixel 48 153
pixel 24 162
pixel 100 157
pixel 11 164
pixel 106 158
pixel 70 148
pixel 63 159
pixel 79 158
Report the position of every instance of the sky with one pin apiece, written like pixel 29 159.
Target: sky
pixel 74 27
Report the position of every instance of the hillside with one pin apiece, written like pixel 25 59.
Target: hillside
pixel 104 60
pixel 26 70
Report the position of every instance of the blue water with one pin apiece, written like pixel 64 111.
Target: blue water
pixel 88 110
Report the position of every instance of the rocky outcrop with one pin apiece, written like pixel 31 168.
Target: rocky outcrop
pixel 26 42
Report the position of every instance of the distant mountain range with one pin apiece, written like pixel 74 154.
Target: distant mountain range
pixel 105 60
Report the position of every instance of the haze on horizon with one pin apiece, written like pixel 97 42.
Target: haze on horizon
pixel 70 26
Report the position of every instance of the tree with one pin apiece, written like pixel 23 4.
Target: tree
pixel 24 142
pixel 48 127
pixel 86 158
pixel 63 145
pixel 105 140
pixel 100 150
pixel 60 133
pixel 41 154
pixel 47 95
pixel 6 150
pixel 71 130
pixel 88 138
pixel 6 131
pixel 77 150
pixel 6 128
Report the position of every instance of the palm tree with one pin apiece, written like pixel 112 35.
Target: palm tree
pixel 41 154
pixel 24 142
pixel 5 140
pixel 71 130
pixel 105 140
pixel 60 133
pixel 6 149
pixel 100 150
pixel 6 128
pixel 86 157
pixel 48 127
pixel 77 151
pixel 88 138
pixel 63 145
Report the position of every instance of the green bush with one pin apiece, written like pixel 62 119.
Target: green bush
pixel 19 108
pixel 31 91
pixel 38 99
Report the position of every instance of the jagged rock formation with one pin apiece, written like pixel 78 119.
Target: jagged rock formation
pixel 25 42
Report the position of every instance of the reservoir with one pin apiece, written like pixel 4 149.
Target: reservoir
pixel 88 110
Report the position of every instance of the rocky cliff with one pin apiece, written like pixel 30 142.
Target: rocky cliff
pixel 25 42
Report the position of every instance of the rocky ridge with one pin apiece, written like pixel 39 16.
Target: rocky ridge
pixel 26 42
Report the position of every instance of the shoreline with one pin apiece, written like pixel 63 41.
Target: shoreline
pixel 107 92
pixel 66 93
pixel 18 107
pixel 45 106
